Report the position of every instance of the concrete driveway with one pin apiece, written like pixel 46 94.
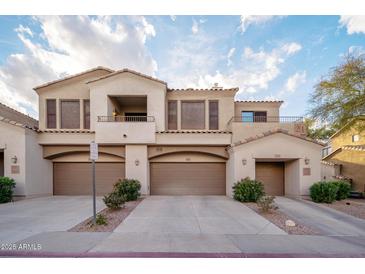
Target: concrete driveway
pixel 24 218
pixel 186 223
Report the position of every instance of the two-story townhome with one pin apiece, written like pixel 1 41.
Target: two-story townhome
pixel 345 152
pixel 174 141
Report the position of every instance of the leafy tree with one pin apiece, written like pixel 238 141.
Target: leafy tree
pixel 317 132
pixel 341 95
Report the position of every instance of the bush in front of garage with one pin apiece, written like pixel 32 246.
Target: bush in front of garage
pixel 324 192
pixel 344 189
pixel 114 201
pixel 128 188
pixel 6 189
pixel 248 190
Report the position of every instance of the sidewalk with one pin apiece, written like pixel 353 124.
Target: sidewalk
pixel 78 244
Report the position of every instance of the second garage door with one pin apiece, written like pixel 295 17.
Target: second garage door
pixel 188 178
pixel 272 176
pixel 75 178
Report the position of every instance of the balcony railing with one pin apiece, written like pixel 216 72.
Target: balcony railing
pixel 268 119
pixel 126 118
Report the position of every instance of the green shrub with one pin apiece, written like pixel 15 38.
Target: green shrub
pixel 114 201
pixel 323 192
pixel 266 203
pixel 128 188
pixel 101 219
pixel 344 189
pixel 248 190
pixel 6 189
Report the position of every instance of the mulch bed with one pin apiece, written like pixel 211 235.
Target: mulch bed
pixel 114 218
pixel 352 207
pixel 278 218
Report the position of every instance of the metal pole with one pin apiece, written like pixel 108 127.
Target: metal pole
pixel 94 194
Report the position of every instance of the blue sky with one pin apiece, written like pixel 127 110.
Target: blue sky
pixel 267 57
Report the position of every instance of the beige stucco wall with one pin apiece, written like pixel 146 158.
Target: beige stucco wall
pixel 277 147
pixel 329 170
pixel 74 88
pixel 12 141
pixel 124 84
pixel 193 138
pixel 38 171
pixel 35 173
pixel 272 108
pixel 188 157
pixel 83 157
pixel 141 171
pixel 291 179
pixel 241 130
pixel 217 151
pixel 225 104
pixel 345 136
pixel 62 138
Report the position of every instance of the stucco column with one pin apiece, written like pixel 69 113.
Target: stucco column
pixel 137 166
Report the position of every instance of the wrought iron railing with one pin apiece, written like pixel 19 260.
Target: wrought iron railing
pixel 126 118
pixel 268 119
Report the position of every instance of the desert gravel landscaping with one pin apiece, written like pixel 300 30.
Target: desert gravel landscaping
pixel 114 218
pixel 353 207
pixel 279 218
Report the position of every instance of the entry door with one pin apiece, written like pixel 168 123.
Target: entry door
pixel 272 176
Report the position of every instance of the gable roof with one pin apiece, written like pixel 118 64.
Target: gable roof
pixel 130 71
pixel 12 116
pixel 272 132
pixel 202 89
pixel 354 119
pixel 346 147
pixel 73 76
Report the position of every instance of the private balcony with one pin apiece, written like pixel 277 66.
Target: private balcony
pixel 125 129
pixel 243 127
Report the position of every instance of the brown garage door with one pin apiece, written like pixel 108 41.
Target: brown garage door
pixel 75 178
pixel 188 178
pixel 272 176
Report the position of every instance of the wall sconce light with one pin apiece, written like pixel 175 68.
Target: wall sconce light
pixel 244 162
pixel 136 162
pixel 125 135
pixel 306 161
pixel 14 159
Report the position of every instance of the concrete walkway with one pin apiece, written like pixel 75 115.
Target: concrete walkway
pixel 24 218
pixel 100 244
pixel 328 221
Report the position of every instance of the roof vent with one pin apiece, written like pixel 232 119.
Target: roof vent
pixel 216 87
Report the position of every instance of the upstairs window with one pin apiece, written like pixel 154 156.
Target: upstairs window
pixel 70 114
pixel 254 116
pixel 51 113
pixel 355 138
pixel 87 114
pixel 193 115
pixel 213 115
pixel 172 115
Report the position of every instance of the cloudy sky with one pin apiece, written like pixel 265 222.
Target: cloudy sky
pixel 267 57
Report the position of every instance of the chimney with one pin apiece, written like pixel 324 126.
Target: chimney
pixel 216 87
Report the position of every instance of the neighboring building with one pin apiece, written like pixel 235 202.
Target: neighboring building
pixel 347 152
pixel 174 141
pixel 21 155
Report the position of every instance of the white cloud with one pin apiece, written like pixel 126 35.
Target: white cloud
pixel 353 23
pixel 229 56
pixel 70 44
pixel 247 20
pixel 195 27
pixel 292 48
pixel 191 61
pixel 295 81
pixel 356 50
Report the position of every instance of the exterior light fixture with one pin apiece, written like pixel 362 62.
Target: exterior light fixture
pixel 306 161
pixel 14 159
pixel 244 162
pixel 125 135
pixel 136 162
